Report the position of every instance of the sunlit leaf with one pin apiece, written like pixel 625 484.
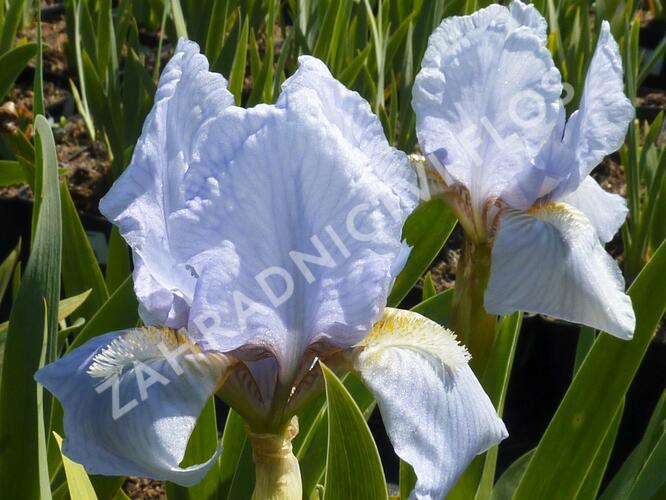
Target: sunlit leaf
pixel 78 481
pixel 353 467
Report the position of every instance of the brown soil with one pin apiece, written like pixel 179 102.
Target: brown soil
pixel 144 489
pixel 443 269
pixel 87 163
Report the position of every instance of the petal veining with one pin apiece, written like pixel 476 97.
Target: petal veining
pixel 131 400
pixel 143 199
pixel 303 226
pixel 436 413
pixel 550 261
pixel 489 100
pixel 351 114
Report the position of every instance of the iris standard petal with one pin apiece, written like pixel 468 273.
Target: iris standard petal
pixel 351 115
pixel 454 28
pixel 436 413
pixel 550 261
pixel 599 126
pixel 131 400
pixel 606 211
pixel 486 104
pixel 151 190
pixel 304 233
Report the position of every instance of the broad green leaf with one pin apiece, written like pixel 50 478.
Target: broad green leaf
pixel 117 313
pixel 426 230
pixel 477 481
pixel 11 172
pixel 407 480
pixel 80 270
pixel 237 75
pixel 353 467
pixel 38 84
pixel 117 261
pixel 311 443
pixel 12 21
pixel 621 484
pixel 437 308
pixel 200 448
pixel 78 481
pixel 652 479
pixel 595 474
pixel 234 441
pixel 12 63
pixel 37 296
pixel 586 413
pixel 42 456
pixel 495 381
pixel 326 27
pixel 585 342
pixel 235 466
pixel 506 486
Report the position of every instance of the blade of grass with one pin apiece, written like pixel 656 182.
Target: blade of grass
pixel 38 85
pixel 237 75
pixel 12 63
pixel 12 21
pixel 78 481
pixel 31 338
pixel 178 19
pixel 80 270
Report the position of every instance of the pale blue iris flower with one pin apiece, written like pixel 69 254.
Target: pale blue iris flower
pixel 263 240
pixel 490 117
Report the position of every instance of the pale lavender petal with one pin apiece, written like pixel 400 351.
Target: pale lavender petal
pixel 153 188
pixel 550 261
pixel 129 409
pixel 303 221
pixel 436 413
pixel 490 99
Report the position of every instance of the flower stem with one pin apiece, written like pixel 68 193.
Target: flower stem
pixel 469 318
pixel 278 476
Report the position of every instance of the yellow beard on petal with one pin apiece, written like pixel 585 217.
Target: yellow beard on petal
pixel 137 345
pixel 409 330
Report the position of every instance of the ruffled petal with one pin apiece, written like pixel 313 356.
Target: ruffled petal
pixel 436 413
pixel 304 228
pixel 606 211
pixel 550 261
pixel 144 198
pixel 486 100
pixel 454 28
pixel 528 15
pixel 131 400
pixel 600 124
pixel 351 115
